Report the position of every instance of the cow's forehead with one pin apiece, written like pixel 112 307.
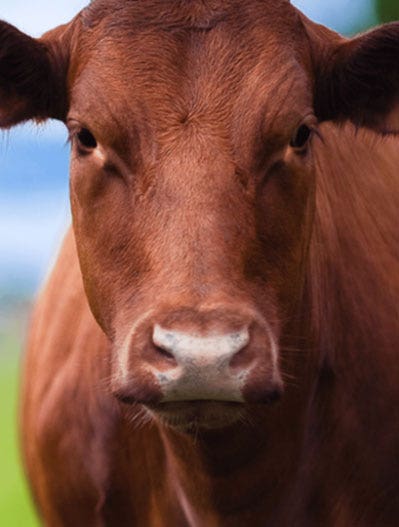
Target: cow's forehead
pixel 188 14
pixel 189 39
pixel 246 67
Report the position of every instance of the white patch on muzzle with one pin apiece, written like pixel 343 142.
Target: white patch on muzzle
pixel 203 366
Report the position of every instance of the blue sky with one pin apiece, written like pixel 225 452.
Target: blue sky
pixel 34 161
pixel 40 15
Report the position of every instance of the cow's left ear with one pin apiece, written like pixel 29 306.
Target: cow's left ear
pixel 358 79
pixel 32 75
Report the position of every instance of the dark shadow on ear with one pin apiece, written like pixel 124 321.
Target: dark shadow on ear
pixel 32 75
pixel 357 79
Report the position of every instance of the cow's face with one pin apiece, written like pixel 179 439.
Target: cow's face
pixel 192 194
pixel 191 185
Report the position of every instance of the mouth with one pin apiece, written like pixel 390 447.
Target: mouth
pixel 188 416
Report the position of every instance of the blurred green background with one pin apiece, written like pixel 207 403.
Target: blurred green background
pixel 34 212
pixel 387 10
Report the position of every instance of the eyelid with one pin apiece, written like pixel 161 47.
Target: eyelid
pixel 312 122
pixel 309 119
pixel 74 125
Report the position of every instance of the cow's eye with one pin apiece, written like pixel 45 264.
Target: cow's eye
pixel 86 140
pixel 301 137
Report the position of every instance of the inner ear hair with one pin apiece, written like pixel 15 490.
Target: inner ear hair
pixel 359 80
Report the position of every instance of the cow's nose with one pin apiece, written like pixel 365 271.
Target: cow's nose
pixel 202 367
pixel 208 355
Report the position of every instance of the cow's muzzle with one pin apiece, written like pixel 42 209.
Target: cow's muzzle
pixel 191 357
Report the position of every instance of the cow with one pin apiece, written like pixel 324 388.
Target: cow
pixel 217 344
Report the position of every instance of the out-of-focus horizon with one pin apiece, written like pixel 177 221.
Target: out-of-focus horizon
pixel 34 210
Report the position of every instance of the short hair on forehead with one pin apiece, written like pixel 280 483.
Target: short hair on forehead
pixel 186 14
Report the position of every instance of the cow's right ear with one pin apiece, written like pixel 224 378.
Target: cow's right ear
pixel 32 75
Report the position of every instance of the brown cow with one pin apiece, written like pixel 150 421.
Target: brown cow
pixel 232 250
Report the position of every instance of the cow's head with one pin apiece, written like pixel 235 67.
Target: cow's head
pixel 192 184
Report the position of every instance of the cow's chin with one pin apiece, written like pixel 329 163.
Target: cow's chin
pixel 192 416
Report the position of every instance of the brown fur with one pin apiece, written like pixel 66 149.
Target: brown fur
pixel 194 210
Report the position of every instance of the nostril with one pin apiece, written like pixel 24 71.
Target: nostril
pixel 164 352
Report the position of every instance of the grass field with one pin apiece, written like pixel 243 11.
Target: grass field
pixel 15 507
